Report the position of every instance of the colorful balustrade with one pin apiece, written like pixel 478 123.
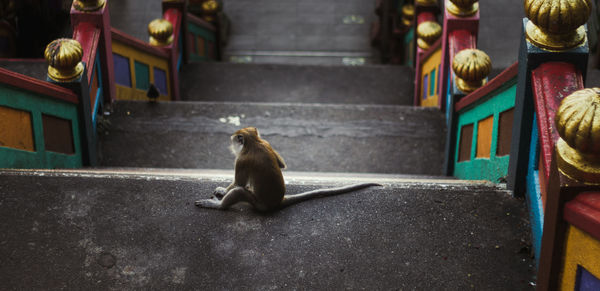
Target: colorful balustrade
pixel 39 124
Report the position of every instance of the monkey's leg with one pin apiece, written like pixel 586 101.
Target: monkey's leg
pixel 235 195
pixel 220 191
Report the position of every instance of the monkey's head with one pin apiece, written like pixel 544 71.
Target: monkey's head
pixel 243 137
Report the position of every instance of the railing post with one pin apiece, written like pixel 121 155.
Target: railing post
pixel 180 5
pixel 463 17
pixel 575 169
pixel 66 69
pixel 97 13
pixel 460 28
pixel 546 37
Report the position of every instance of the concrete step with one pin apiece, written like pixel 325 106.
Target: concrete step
pixel 300 32
pixel 111 230
pixel 35 68
pixel 372 84
pixel 310 137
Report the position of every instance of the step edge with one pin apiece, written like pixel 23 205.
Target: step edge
pixel 291 177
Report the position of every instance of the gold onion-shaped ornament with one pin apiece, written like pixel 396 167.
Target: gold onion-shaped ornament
pixel 426 3
pixel 578 123
pixel 89 5
pixel 557 25
pixel 471 67
pixel 64 59
pixel 408 14
pixel 209 9
pixel 427 33
pixel 161 32
pixel 462 8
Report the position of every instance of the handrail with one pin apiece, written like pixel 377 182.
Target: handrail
pixel 37 86
pixel 138 44
pixel 88 36
pixel 201 22
pixel 483 91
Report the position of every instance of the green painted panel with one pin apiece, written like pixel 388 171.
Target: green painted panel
pixel 495 103
pixel 38 105
pixel 142 76
pixel 201 31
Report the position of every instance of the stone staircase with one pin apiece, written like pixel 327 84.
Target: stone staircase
pixel 131 223
pixel 131 229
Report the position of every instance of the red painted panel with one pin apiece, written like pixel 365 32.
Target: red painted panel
pixel 453 23
pixel 174 16
pixel 37 86
pixel 88 36
pixel 584 213
pixel 100 19
pixel 425 16
pixel 505 76
pixel 551 83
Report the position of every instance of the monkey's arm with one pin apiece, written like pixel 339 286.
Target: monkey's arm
pixel 280 160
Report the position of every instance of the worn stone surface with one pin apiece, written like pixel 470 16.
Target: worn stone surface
pixel 500 31
pixel 593 78
pixel 133 16
pixel 310 137
pixel 265 26
pixel 297 84
pixel 113 232
pixel 36 68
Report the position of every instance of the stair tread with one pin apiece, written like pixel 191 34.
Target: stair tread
pixel 111 233
pixel 372 84
pixel 310 137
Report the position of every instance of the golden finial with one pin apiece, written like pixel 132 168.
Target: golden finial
pixel 462 8
pixel 161 32
pixel 88 5
pixel 578 124
pixel 426 3
pixel 557 25
pixel 427 33
pixel 408 14
pixel 209 10
pixel 471 67
pixel 64 59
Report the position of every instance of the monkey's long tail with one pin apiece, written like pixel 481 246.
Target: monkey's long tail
pixel 296 198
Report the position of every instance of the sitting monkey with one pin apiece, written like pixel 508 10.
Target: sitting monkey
pixel 258 179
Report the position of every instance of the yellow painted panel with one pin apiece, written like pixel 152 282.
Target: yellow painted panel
pixel 133 54
pixel 432 63
pixel 15 129
pixel 580 249
pixel 484 137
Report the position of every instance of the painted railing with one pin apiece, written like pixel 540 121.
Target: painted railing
pixel 97 66
pixel 137 65
pixel 202 40
pixel 514 129
pixel 140 65
pixel 484 126
pixel 39 124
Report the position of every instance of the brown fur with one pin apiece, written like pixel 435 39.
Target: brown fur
pixel 258 179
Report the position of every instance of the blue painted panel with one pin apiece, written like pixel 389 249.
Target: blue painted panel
pixel 99 93
pixel 586 281
pixel 424 89
pixel 160 81
pixel 534 193
pixel 432 82
pixel 122 70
